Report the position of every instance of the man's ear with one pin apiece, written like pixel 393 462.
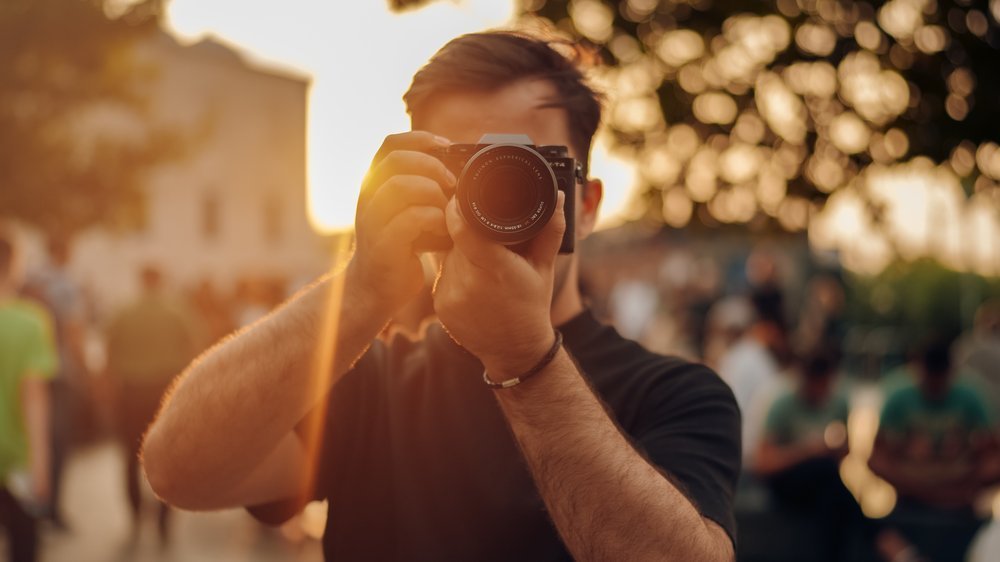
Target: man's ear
pixel 590 200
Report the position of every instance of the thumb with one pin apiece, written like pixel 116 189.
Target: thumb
pixel 543 249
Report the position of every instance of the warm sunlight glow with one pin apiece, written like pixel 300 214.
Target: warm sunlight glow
pixel 620 180
pixel 360 57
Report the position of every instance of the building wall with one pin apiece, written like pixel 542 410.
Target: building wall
pixel 233 205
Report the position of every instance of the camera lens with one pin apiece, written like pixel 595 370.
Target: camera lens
pixel 507 192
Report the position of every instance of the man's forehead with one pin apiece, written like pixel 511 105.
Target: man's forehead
pixel 525 106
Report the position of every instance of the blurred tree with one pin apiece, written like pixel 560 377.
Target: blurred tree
pixel 921 299
pixel 759 112
pixel 764 108
pixel 74 146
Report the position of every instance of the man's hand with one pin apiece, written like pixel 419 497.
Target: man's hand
pixel 403 197
pixel 496 302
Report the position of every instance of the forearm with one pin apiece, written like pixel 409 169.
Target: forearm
pixel 606 500
pixel 235 403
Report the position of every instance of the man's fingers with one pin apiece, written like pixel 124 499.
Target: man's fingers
pixel 542 250
pixel 476 248
pixel 398 193
pixel 419 141
pixel 405 162
pixel 406 227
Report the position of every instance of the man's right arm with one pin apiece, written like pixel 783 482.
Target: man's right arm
pixel 225 436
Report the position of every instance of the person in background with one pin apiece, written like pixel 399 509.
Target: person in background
pixel 213 310
pixel 746 363
pixel 977 354
pixel 764 277
pixel 149 342
pixel 821 321
pixel 935 446
pixel 805 438
pixel 55 287
pixel 27 360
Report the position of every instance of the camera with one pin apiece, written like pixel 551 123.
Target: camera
pixel 507 186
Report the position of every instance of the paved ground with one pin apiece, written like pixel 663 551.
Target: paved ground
pixel 101 530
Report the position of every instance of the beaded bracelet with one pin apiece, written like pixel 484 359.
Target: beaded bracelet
pixel 530 372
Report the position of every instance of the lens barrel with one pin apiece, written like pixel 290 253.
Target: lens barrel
pixel 507 192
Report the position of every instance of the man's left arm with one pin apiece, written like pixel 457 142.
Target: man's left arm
pixel 606 500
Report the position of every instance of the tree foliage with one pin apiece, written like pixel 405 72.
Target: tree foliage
pixel 777 104
pixel 75 142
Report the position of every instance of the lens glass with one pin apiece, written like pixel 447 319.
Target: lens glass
pixel 508 193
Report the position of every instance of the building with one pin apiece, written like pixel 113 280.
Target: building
pixel 233 206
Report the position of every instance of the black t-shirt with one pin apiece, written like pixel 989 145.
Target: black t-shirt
pixel 418 462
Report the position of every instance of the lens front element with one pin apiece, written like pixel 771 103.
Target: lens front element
pixel 507 192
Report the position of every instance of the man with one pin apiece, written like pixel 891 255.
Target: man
pixel 27 360
pixel 978 354
pixel 149 342
pixel 54 286
pixel 605 452
pixel 746 364
pixel 936 447
pixel 805 438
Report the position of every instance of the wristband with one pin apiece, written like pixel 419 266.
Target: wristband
pixel 549 356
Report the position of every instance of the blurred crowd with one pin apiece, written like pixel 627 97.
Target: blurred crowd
pixel 777 338
pixel 105 373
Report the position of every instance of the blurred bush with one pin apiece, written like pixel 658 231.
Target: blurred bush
pixel 75 141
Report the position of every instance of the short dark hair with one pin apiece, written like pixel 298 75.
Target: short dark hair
pixel 935 356
pixel 490 60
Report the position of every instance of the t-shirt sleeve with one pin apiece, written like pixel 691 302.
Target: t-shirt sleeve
pixel 694 438
pixel 339 420
pixel 40 358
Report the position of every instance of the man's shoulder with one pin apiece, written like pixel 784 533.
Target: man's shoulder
pixel 666 381
pixel 26 313
pixel 905 394
pixel 785 402
pixel 966 395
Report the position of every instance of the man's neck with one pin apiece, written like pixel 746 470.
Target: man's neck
pixel 567 301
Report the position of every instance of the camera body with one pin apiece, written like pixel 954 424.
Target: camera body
pixel 507 186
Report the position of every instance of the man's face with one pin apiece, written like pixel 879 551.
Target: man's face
pixel 465 116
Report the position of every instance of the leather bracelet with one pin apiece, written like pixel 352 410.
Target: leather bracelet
pixel 549 356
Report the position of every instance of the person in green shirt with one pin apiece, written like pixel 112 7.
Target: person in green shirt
pixel 936 447
pixel 805 438
pixel 805 429
pixel 27 360
pixel 149 342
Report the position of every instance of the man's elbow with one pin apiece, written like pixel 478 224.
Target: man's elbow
pixel 167 482
pixel 719 546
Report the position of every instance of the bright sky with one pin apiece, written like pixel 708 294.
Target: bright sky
pixel 361 58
